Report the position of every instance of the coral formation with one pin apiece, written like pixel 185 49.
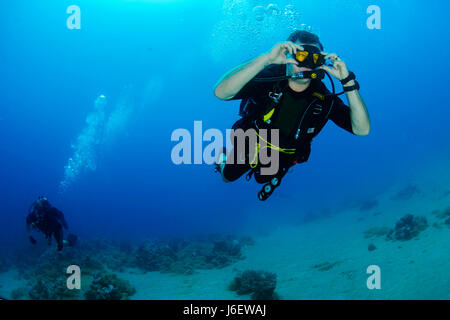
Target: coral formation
pixel 45 269
pixel 260 284
pixel 181 256
pixel 407 228
pixel 19 293
pixel 371 247
pixel 54 289
pixel 109 287
pixel 224 252
pixel 154 256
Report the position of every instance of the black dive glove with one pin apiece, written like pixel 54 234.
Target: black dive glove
pixel 32 240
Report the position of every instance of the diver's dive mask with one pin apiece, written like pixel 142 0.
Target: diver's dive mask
pixel 310 58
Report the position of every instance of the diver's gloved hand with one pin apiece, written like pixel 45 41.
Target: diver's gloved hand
pixel 32 240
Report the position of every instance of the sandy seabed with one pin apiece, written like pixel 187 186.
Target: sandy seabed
pixel 413 269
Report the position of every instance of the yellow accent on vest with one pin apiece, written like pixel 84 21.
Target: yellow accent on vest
pixel 269 115
pixel 318 95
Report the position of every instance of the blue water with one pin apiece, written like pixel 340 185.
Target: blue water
pixel 157 62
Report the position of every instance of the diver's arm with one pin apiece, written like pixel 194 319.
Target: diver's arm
pixel 232 82
pixel 358 112
pixel 28 226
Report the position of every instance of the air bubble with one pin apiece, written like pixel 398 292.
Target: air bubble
pixel 259 13
pixel 273 9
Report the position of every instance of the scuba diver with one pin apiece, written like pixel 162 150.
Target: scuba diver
pixel 46 219
pixel 282 90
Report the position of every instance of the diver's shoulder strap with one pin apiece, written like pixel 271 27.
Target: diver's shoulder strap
pixel 275 98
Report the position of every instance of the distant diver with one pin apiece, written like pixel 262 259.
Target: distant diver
pixel 283 89
pixel 49 220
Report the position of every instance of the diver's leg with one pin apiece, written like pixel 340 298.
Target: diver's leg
pixel 236 163
pixel 272 182
pixel 259 178
pixel 232 172
pixel 59 238
pixel 221 161
pixel 49 238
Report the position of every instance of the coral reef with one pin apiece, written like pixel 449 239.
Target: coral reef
pixel 260 284
pixel 45 268
pixel 407 228
pixel 19 293
pixel 175 255
pixel 54 289
pixel 109 287
pixel 224 252
pixel 155 256
pixel 182 256
pixel 371 247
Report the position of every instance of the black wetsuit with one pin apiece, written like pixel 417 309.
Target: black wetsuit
pixel 299 116
pixel 49 221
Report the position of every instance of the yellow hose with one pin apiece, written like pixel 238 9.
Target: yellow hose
pixel 254 162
